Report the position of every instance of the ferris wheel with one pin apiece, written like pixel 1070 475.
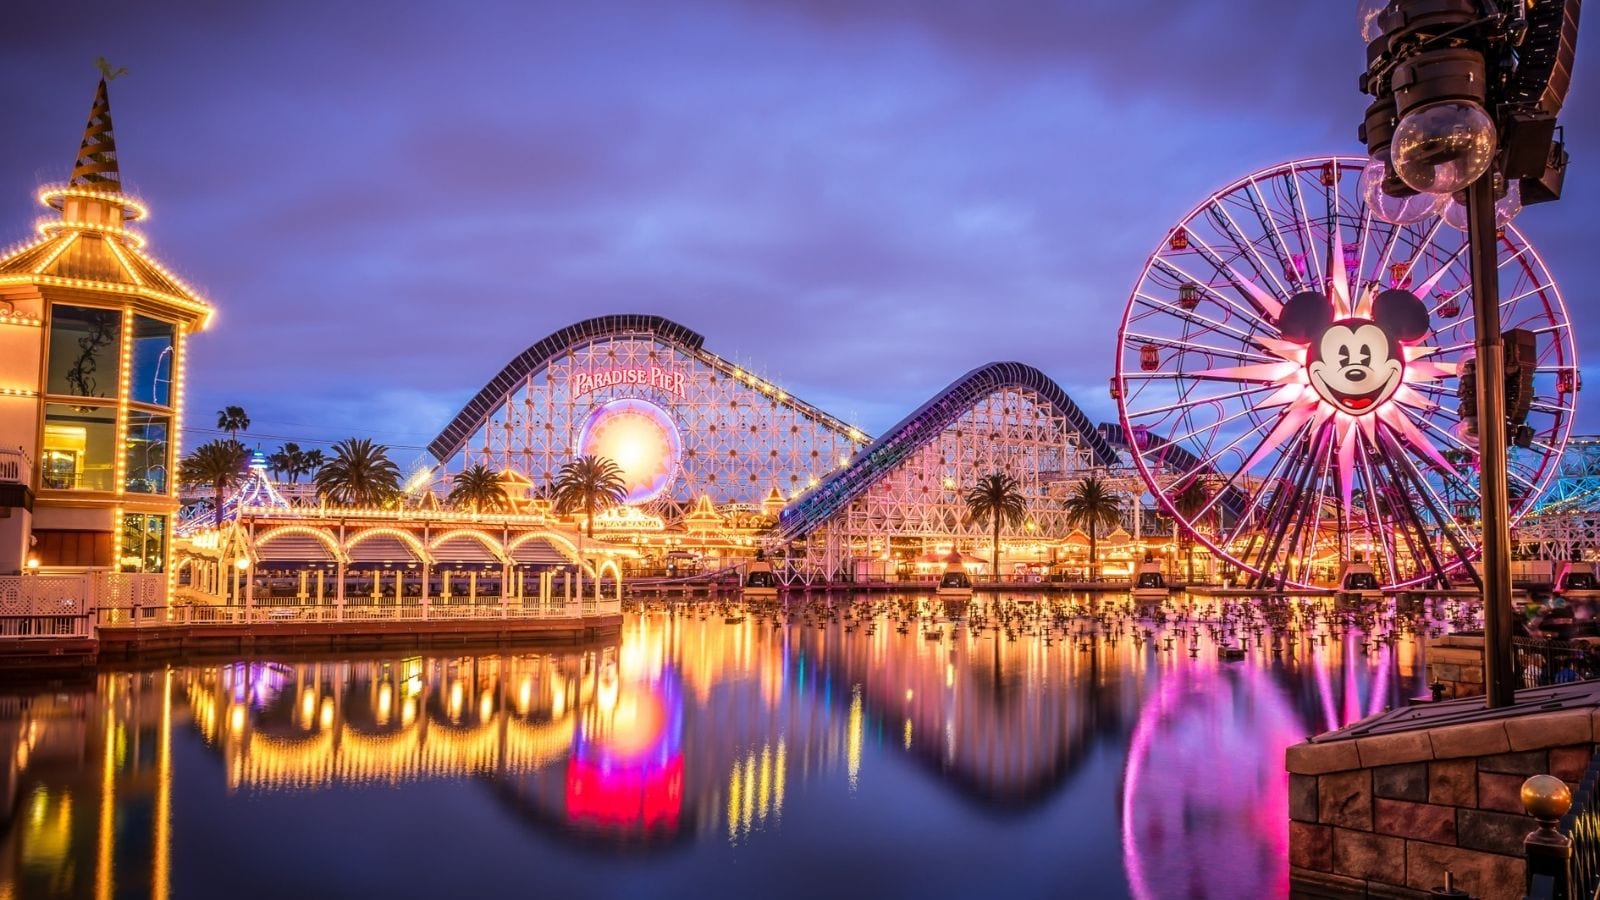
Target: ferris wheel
pixel 1287 374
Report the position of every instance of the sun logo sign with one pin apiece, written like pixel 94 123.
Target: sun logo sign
pixel 640 438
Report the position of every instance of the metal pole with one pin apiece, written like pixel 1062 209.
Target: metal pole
pixel 1498 674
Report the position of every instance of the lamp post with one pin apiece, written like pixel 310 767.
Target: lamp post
pixel 1466 98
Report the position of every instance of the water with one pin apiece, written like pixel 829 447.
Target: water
pixel 697 757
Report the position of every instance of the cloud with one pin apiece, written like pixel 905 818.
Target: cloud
pixel 862 200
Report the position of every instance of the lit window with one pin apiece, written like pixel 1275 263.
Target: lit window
pixel 85 351
pixel 144 543
pixel 146 453
pixel 152 362
pixel 79 447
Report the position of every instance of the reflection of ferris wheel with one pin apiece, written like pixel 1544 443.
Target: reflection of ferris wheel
pixel 1288 397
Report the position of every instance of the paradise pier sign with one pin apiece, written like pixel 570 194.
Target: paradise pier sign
pixel 643 376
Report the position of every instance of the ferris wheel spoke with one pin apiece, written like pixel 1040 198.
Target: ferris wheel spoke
pixel 1212 426
pixel 1172 407
pixel 1437 507
pixel 1289 512
pixel 1321 478
pixel 1204 464
pixel 1269 225
pixel 1266 306
pixel 1178 344
pixel 1283 461
pixel 1236 236
pixel 1551 408
pixel 1190 316
pixel 1314 267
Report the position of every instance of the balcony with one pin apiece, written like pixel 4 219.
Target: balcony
pixel 16 481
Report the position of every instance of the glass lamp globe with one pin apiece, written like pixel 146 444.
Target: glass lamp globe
pixel 1505 209
pixel 1367 12
pixel 1394 210
pixel 1443 147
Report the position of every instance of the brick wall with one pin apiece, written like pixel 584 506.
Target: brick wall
pixel 1385 816
pixel 1456 662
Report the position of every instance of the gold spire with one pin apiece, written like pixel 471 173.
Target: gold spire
pixel 96 168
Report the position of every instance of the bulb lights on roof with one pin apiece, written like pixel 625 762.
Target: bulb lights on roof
pixel 55 196
pixel 18 392
pixel 46 227
pixel 200 308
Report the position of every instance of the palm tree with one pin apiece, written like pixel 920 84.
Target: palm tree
pixel 233 420
pixel 360 474
pixel 997 498
pixel 1188 502
pixel 311 462
pixel 477 487
pixel 591 484
pixel 1092 506
pixel 283 461
pixel 218 465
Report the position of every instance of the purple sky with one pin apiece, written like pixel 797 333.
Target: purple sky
pixel 859 200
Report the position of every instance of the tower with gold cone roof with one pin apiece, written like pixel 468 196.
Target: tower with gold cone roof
pixel 92 345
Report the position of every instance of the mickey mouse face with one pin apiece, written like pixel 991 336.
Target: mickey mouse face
pixel 1353 369
pixel 1355 365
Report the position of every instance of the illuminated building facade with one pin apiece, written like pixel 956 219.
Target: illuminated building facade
pixel 92 334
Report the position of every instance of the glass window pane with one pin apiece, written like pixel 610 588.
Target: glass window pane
pixel 152 362
pixel 79 447
pixel 147 453
pixel 144 543
pixel 85 350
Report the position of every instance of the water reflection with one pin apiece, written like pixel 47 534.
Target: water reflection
pixel 705 731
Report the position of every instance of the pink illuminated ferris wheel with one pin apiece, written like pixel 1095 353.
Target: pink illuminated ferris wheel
pixel 1287 374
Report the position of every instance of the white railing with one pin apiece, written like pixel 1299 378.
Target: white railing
pixel 294 614
pixel 47 606
pixel 15 467
pixel 53 605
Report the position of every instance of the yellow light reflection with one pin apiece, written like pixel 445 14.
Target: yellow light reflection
pixel 853 737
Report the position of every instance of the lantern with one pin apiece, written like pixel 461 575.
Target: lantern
pixel 1149 357
pixel 1116 390
pixel 1189 295
pixel 1180 240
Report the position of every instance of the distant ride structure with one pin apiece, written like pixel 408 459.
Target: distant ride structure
pixel 644 391
pixel 1287 374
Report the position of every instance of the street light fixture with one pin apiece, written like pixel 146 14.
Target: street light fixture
pixel 1466 95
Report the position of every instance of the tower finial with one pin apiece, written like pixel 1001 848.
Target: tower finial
pixel 108 73
pixel 96 167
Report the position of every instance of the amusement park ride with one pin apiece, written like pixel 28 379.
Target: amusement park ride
pixel 1303 350
pixel 1287 387
pixel 1306 373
